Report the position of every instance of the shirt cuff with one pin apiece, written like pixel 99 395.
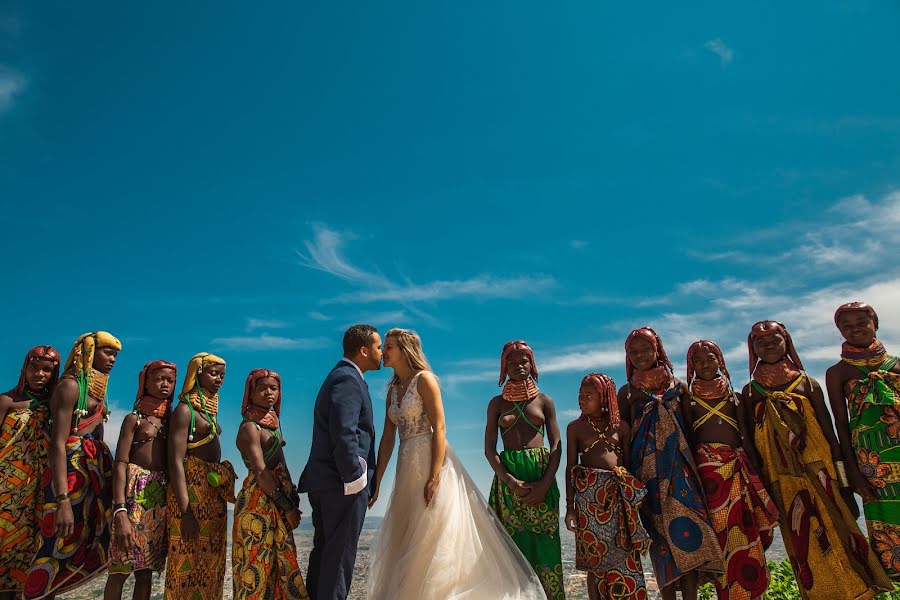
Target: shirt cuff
pixel 358 485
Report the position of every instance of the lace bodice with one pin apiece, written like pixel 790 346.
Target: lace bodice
pixel 408 412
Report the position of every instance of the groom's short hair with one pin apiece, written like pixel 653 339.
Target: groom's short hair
pixel 356 337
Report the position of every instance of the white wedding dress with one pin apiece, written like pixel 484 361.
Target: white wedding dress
pixel 454 549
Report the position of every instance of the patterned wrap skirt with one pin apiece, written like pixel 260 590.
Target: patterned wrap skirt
pixel 534 529
pixel 196 569
pixel 743 515
pixel 609 537
pixel 23 457
pixel 145 497
pixel 263 555
pixel 64 564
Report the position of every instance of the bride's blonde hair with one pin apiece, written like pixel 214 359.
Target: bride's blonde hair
pixel 411 346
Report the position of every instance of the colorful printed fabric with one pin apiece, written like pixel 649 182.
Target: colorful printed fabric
pixel 145 497
pixel 743 515
pixel 674 511
pixel 263 555
pixel 609 538
pixel 196 569
pixel 23 457
pixel 62 565
pixel 534 529
pixel 875 435
pixel 829 555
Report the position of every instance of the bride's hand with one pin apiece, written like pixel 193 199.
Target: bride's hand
pixel 430 489
pixel 374 497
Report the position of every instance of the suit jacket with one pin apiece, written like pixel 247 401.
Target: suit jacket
pixel 343 431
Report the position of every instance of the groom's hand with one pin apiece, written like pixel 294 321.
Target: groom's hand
pixel 374 497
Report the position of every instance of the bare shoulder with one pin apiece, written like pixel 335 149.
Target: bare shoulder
pixel 427 381
pixel 66 385
pixel 546 400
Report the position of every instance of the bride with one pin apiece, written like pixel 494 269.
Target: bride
pixel 439 539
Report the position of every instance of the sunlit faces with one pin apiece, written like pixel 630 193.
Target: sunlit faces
pixel 642 354
pixel 706 364
pixel 265 392
pixel 589 400
pixel 770 348
pixel 211 377
pixel 518 365
pixel 38 374
pixel 857 327
pixel 105 358
pixel 160 382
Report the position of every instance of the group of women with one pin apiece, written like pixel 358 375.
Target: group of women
pixel 691 471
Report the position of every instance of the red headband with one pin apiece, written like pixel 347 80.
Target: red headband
pixel 766 328
pixel 646 333
pixel 254 376
pixel 509 348
pixel 705 345
pixel 39 353
pixel 606 387
pixel 851 306
pixel 142 378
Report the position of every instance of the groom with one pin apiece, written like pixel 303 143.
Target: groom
pixel 338 477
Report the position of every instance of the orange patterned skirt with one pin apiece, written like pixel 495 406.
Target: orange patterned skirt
pixel 196 570
pixel 263 554
pixel 23 456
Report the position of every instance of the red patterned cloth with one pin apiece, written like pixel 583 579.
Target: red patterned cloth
pixel 609 538
pixel 743 516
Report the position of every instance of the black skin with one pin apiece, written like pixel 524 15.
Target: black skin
pixel 62 408
pixel 37 377
pixel 580 435
pixel 254 443
pixel 540 411
pixel 210 378
pixel 858 328
pixel 132 447
pixel 644 357
pixel 707 367
pixel 771 349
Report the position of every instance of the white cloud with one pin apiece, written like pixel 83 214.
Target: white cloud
pixel 325 253
pixel 12 84
pixel 718 47
pixel 318 316
pixel 254 324
pixel 268 342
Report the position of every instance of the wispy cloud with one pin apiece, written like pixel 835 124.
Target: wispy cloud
pixel 12 84
pixel 579 244
pixel 318 316
pixel 382 320
pixel 253 324
pixel 718 47
pixel 325 252
pixel 269 342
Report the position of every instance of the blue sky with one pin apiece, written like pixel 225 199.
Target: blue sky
pixel 193 178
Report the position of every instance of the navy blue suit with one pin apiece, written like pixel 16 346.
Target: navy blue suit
pixel 343 432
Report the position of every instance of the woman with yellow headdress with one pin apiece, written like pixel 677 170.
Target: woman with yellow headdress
pixel 77 497
pixel 200 486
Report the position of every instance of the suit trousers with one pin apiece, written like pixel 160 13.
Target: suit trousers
pixel 338 521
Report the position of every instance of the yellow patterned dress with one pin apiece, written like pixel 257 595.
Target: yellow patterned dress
pixel 263 554
pixel 829 555
pixel 23 456
pixel 196 570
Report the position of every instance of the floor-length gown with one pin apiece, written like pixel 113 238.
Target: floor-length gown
pixel 453 549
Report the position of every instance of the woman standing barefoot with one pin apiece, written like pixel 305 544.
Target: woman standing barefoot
pixel 524 493
pixel 263 555
pixel 439 539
